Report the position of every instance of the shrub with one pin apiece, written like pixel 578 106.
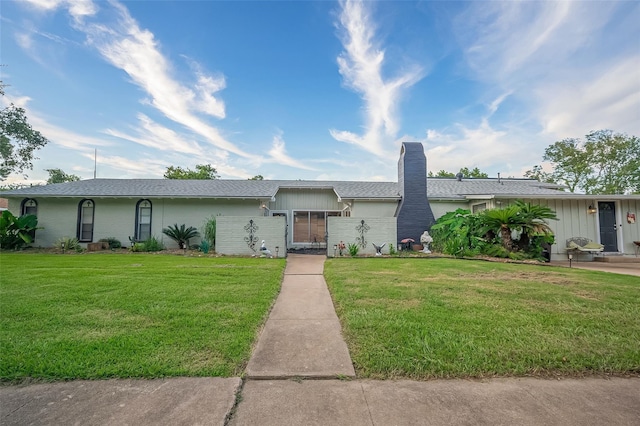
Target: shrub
pixel 392 250
pixel 114 243
pixel 138 247
pixel 181 235
pixel 70 244
pixel 204 246
pixel 15 232
pixel 353 249
pixel 209 232
pixel 153 244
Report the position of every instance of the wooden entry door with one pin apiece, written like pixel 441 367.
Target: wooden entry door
pixel 608 228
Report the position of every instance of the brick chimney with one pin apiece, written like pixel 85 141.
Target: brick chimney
pixel 414 214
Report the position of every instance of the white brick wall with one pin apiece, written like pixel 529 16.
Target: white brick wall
pixel 231 234
pixel 381 230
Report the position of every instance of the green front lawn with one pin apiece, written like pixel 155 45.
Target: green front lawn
pixel 427 318
pixel 130 315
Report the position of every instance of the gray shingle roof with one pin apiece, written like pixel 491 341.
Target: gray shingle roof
pixel 437 188
pixel 446 188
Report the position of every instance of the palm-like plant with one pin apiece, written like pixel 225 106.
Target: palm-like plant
pixel 502 222
pixel 534 221
pixel 181 235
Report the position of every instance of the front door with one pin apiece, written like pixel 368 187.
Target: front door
pixel 608 229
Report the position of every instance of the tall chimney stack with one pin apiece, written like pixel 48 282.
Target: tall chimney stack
pixel 414 215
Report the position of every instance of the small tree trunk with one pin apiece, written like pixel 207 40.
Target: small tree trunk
pixel 506 237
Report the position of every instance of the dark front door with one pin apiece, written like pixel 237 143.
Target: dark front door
pixel 608 231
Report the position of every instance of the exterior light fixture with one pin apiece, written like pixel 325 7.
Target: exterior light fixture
pixel 591 209
pixel 277 250
pixel 335 249
pixel 62 244
pixel 570 259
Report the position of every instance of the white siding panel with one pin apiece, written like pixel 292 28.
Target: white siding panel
pixel 439 208
pixel 231 234
pixel 630 231
pixel 381 230
pixel 374 209
pixel 306 199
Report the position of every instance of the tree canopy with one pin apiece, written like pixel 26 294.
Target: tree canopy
pixel 59 176
pixel 202 171
pixel 18 140
pixel 257 177
pixel 604 163
pixel 475 173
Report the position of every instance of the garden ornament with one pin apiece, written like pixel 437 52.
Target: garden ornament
pixel 265 251
pixel 426 240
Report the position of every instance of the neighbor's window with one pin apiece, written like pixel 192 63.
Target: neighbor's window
pixel 143 220
pixel 29 206
pixel 85 220
pixel 479 207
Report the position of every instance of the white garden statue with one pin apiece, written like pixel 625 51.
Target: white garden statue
pixel 426 240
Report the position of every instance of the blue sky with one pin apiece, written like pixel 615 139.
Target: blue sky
pixel 315 90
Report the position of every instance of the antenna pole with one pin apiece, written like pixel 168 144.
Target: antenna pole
pixel 95 162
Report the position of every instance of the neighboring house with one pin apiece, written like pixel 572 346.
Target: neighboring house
pixel 294 214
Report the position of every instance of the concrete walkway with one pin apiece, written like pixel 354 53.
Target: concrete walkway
pixel 616 268
pixel 302 339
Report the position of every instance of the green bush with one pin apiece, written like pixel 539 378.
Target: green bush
pixel 517 231
pixel 15 232
pixel 209 232
pixel 392 250
pixel 181 235
pixel 70 244
pixel 114 243
pixel 204 246
pixel 153 244
pixel 150 244
pixel 353 249
pixel 138 247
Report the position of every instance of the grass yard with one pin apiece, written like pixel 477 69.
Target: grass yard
pixel 434 318
pixel 130 315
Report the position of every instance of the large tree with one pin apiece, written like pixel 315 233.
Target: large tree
pixel 615 161
pixel 18 140
pixel 604 163
pixel 59 176
pixel 202 171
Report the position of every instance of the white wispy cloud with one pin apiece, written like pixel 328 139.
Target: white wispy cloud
pixel 480 146
pixel 361 68
pixel 153 135
pixel 55 134
pixel 120 40
pixel 135 50
pixel 555 61
pixel 278 154
pixel 610 100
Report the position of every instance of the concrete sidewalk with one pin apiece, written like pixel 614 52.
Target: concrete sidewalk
pixel 616 268
pixel 302 338
pixel 518 401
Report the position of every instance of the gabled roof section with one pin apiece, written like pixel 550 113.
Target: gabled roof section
pixel 146 188
pixel 217 188
pixel 437 189
pixel 447 188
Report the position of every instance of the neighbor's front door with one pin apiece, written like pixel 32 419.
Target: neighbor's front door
pixel 608 228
